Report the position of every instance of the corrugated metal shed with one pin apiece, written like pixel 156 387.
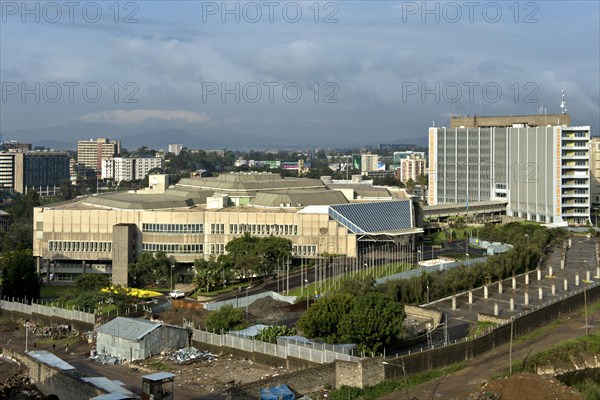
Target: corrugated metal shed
pixel 129 328
pixel 108 385
pixel 48 358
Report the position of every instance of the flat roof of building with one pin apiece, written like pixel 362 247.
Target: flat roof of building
pixel 298 198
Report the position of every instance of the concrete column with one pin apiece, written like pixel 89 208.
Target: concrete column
pixel 539 274
pixel 550 271
pixel 500 289
pixel 541 293
pixel 512 304
pixel 470 297
pixel 597 273
pixel 562 263
pixel 553 289
pixel 588 276
pixel 569 243
pixel 454 302
pixel 496 310
pixel 485 292
pixel 526 299
pixel 576 279
pixel 514 282
pixel 566 285
pixel 527 278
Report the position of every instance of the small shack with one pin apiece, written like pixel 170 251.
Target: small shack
pixel 133 339
pixel 158 386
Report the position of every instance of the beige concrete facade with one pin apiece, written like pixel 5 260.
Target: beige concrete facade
pixel 595 171
pixel 91 152
pixel 478 121
pixel 104 233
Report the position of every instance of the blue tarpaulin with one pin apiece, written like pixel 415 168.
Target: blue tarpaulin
pixel 281 392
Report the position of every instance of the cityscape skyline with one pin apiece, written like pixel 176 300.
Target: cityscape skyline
pixel 351 72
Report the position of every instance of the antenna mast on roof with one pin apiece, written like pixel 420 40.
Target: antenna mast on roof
pixel 563 102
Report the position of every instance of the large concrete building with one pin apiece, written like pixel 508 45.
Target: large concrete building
pixel 39 170
pixel 479 121
pixel 543 171
pixel 196 218
pixel 595 172
pixel 91 152
pixel 127 169
pixel 411 168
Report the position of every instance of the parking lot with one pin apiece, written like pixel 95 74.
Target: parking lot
pixel 513 296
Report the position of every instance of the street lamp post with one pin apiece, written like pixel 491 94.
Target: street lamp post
pixel 307 294
pixel 172 266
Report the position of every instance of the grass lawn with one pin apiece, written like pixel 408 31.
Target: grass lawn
pixel 220 290
pixel 330 284
pixel 53 290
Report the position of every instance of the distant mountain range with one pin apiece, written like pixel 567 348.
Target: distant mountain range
pixel 65 137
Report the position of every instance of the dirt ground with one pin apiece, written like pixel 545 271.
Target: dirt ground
pixel 527 386
pixel 472 381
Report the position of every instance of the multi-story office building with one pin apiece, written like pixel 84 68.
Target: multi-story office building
pixel 411 168
pixel 38 170
pixel 595 172
pixel 366 162
pixel 14 145
pixel 127 169
pixel 402 155
pixel 91 152
pixel 197 218
pixel 543 171
pixel 175 148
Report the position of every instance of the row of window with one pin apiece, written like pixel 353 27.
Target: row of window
pixel 217 228
pixel 217 248
pixel 62 245
pixel 263 229
pixel 301 250
pixel 173 228
pixel 190 248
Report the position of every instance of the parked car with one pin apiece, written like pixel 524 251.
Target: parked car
pixel 177 294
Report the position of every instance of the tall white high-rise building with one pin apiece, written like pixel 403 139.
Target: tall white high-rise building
pixel 543 171
pixel 127 169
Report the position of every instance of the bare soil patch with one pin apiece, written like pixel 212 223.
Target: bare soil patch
pixel 527 386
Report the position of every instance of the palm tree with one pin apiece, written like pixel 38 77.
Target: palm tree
pixel 410 185
pixel 422 180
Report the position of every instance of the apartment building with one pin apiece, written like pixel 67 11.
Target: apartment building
pixel 91 152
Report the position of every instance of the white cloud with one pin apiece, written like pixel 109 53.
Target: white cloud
pixel 133 117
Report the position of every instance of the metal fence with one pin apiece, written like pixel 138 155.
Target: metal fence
pixel 243 301
pixel 315 353
pixel 48 310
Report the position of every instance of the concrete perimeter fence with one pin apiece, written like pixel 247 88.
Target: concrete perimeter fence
pixel 73 314
pixel 314 353
pixel 467 349
pixel 244 301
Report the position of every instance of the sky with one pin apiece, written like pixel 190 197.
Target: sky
pixel 304 72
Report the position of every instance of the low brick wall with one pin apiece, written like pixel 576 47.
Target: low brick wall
pixel 50 380
pixel 306 381
pixel 436 316
pixel 491 318
pixel 40 319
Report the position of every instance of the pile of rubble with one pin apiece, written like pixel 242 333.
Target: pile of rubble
pixel 106 358
pixel 189 355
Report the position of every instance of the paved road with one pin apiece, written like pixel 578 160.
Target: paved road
pixel 469 380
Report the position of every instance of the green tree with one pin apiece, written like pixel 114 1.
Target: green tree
pixel 20 233
pixel 272 251
pixel 91 282
pixel 271 333
pixel 149 269
pixel 422 181
pixel 19 277
pixel 208 273
pixel 224 319
pixel 322 320
pixel 410 185
pixel 374 321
